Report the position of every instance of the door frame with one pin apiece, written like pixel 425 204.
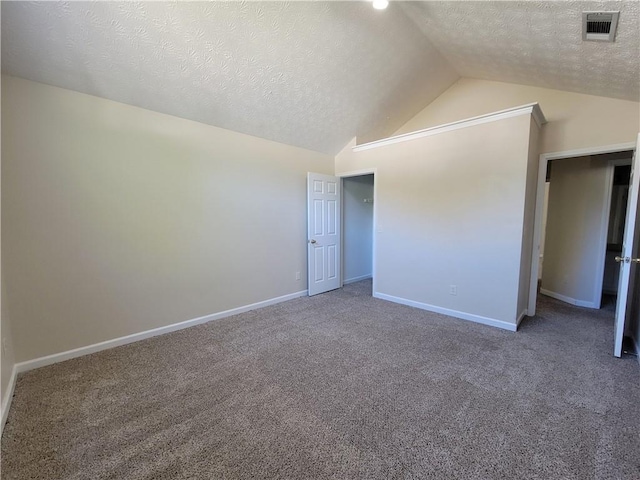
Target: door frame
pixel 545 158
pixel 359 173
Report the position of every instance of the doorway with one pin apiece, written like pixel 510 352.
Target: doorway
pixel 627 296
pixel 585 211
pixel 358 192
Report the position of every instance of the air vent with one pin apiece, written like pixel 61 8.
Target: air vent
pixel 599 26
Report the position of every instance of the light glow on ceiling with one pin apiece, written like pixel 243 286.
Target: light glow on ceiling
pixel 380 4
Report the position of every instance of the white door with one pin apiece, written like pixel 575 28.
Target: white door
pixel 629 256
pixel 323 232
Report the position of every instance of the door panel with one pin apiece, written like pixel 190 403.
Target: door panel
pixel 323 200
pixel 318 215
pixel 318 253
pixel 332 263
pixel 628 258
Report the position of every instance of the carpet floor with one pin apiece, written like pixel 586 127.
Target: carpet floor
pixel 342 386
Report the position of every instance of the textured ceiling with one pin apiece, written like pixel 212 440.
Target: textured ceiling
pixel 536 43
pixel 312 74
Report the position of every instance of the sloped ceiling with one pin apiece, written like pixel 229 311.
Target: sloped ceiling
pixel 312 74
pixel 309 74
pixel 535 43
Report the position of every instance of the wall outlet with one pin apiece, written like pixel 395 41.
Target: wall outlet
pixel 453 290
pixel 4 347
pixel 297 275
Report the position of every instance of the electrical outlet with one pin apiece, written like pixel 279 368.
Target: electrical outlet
pixel 4 347
pixel 297 275
pixel 453 290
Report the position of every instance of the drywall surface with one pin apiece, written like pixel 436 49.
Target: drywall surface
pixel 358 226
pixel 545 209
pixel 8 360
pixel 577 196
pixel 531 185
pixel 450 211
pixel 117 220
pixel 7 357
pixel 575 120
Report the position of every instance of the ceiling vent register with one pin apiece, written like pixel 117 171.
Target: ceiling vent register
pixel 599 26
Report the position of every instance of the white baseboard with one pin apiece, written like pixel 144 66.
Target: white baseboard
pixel 356 279
pixel 446 311
pixel 564 298
pixel 116 342
pixel 7 397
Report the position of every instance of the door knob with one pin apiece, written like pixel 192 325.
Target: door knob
pixel 312 241
pixel 627 260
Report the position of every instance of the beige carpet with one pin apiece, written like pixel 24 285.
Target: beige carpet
pixel 340 386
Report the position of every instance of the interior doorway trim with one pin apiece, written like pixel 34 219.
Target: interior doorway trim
pixel 545 158
pixel 358 173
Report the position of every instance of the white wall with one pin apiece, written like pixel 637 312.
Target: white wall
pixel 117 220
pixel 574 120
pixel 451 211
pixel 358 227
pixel 575 220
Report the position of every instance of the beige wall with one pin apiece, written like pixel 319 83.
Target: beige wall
pixel 531 186
pixel 545 205
pixel 118 220
pixel 450 211
pixel 7 360
pixel 7 354
pixel 576 216
pixel 575 121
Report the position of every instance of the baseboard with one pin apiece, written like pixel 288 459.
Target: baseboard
pixel 446 311
pixel 7 397
pixel 116 342
pixel 564 298
pixel 356 279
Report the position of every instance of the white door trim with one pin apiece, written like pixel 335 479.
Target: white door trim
pixel 358 173
pixel 537 227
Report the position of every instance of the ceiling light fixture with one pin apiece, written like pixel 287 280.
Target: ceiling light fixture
pixel 380 4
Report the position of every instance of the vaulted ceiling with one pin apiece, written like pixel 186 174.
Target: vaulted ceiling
pixel 536 43
pixel 311 74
